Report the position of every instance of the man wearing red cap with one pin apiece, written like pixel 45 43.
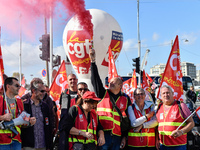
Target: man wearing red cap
pixel 108 116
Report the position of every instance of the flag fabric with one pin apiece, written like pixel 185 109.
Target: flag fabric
pixel 23 84
pixel 152 83
pixel 134 80
pixel 128 89
pixel 58 85
pixel 22 91
pixel 145 84
pixel 1 78
pixel 1 69
pixel 172 75
pixel 112 71
pixel 129 86
pixel 198 112
pixel 1 61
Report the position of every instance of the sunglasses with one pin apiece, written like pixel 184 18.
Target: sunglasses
pixel 42 91
pixel 17 85
pixel 81 89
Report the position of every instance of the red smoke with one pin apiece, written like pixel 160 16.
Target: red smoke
pixel 33 12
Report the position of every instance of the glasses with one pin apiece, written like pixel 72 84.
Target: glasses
pixel 17 85
pixel 81 89
pixel 140 94
pixel 42 91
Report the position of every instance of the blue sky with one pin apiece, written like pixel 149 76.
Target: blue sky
pixel 160 22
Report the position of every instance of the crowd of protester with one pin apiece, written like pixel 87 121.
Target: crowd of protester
pixel 105 119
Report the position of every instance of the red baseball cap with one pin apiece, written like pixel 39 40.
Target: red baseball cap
pixel 90 95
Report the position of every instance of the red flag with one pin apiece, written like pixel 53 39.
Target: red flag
pixel 58 85
pixel 173 75
pixel 129 86
pixel 145 84
pixel 112 71
pixel 1 61
pixel 23 82
pixel 22 91
pixel 1 78
pixel 134 80
pixel 152 83
pixel 1 69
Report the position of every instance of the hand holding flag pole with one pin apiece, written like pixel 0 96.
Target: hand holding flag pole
pixel 197 111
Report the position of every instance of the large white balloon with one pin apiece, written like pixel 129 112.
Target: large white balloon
pixel 76 42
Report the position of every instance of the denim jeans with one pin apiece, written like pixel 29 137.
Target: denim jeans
pixel 15 145
pixel 112 142
pixel 182 147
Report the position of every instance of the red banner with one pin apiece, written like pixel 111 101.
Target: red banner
pixel 145 84
pixel 58 85
pixel 173 74
pixel 112 71
pixel 22 91
pixel 129 86
pixel 23 84
pixel 1 69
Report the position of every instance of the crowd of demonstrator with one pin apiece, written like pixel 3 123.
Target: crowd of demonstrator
pixel 105 119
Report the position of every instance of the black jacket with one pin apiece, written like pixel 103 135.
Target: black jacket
pixel 27 134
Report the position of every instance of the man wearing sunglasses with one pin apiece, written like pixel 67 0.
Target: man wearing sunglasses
pixel 10 108
pixel 39 135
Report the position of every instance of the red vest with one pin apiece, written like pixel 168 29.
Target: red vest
pixel 108 116
pixel 146 138
pixel 6 134
pixel 168 123
pixel 82 124
pixel 73 102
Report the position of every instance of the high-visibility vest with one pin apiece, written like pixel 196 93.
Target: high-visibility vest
pixel 168 123
pixel 108 116
pixel 81 123
pixel 146 138
pixel 6 136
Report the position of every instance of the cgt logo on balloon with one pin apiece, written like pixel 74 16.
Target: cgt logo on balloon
pixel 78 44
pixel 115 45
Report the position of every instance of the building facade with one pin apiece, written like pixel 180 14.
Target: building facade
pixel 188 69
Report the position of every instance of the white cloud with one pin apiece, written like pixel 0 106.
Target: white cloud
pixel 155 37
pixel 130 44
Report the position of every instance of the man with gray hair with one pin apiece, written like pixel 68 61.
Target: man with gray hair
pixel 170 114
pixel 39 135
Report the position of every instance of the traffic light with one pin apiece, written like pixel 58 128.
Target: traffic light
pixel 56 60
pixel 136 64
pixel 45 47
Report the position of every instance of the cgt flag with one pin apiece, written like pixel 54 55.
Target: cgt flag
pixel 112 71
pixel 58 85
pixel 173 74
pixel 145 84
pixel 129 86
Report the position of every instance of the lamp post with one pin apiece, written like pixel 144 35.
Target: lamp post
pixel 185 40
